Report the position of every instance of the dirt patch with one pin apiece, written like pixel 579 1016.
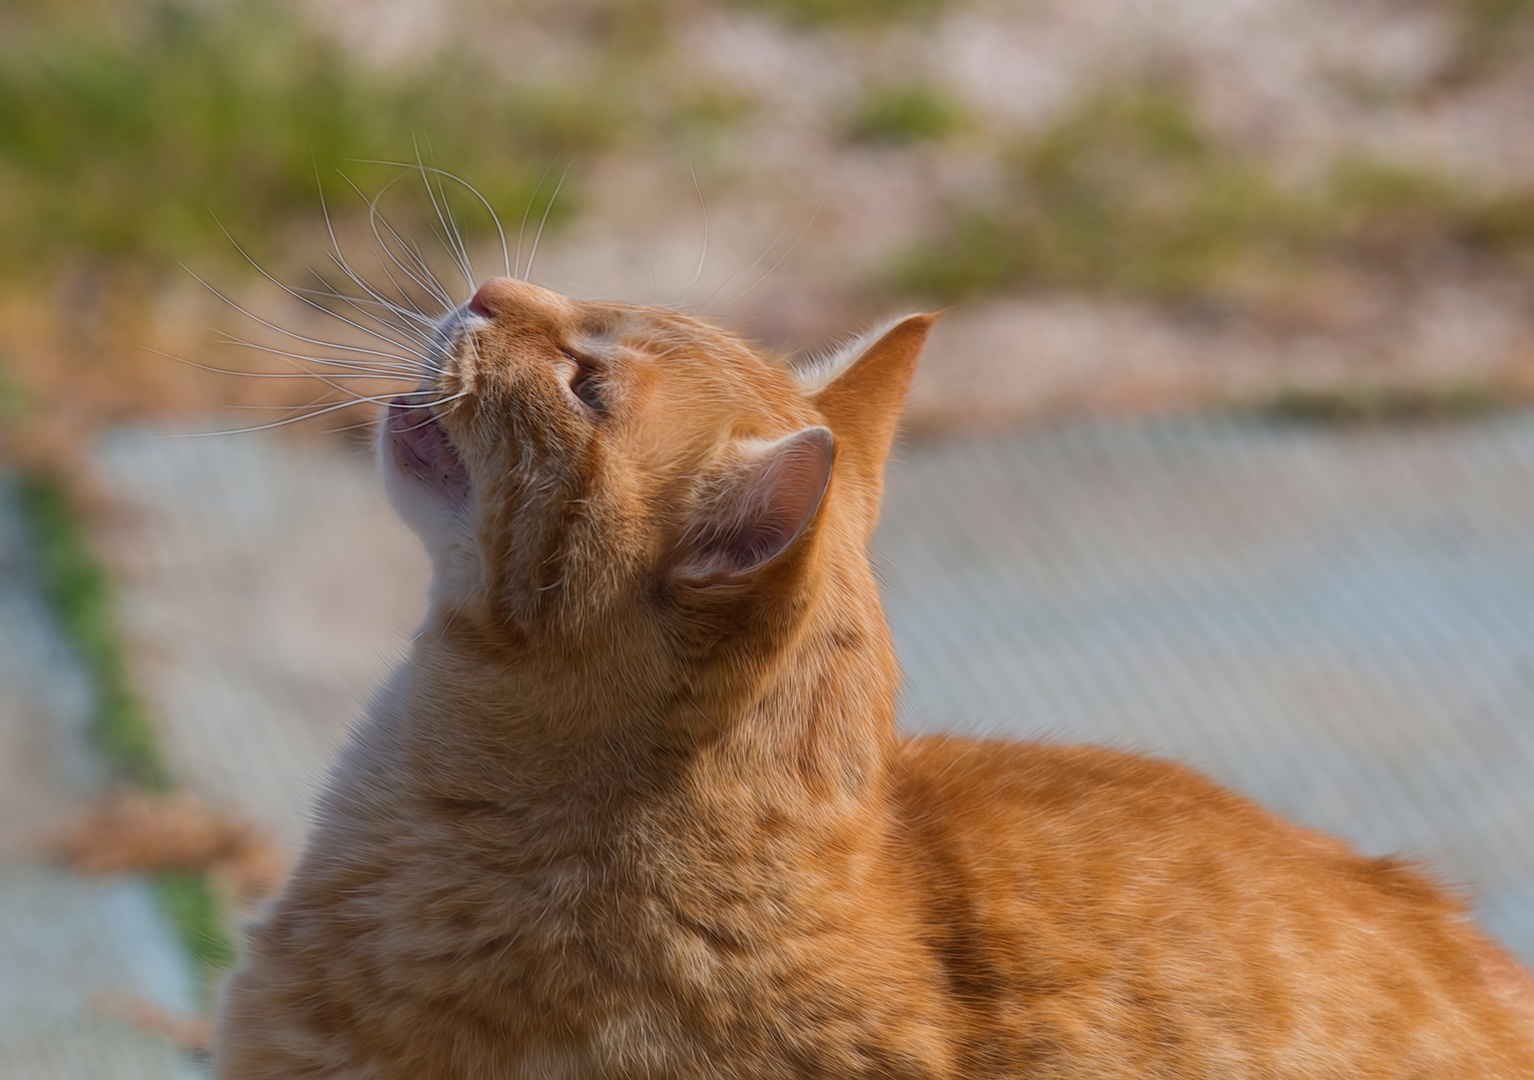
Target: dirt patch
pixel 135 832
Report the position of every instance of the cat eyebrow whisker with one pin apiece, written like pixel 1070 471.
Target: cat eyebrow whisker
pixel 735 277
pixel 526 210
pixel 738 274
pixel 738 297
pixel 697 274
pixel 548 208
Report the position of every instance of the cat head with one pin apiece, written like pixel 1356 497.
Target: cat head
pixel 598 476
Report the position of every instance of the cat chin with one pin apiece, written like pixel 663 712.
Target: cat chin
pixel 425 479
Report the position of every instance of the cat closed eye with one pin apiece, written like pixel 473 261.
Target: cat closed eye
pixel 585 386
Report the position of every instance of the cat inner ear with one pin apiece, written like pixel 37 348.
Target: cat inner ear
pixel 757 508
pixel 860 390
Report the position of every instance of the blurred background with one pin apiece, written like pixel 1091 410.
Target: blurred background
pixel 1223 450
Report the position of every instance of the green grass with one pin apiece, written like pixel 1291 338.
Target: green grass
pixel 711 109
pixel 199 920
pixel 1132 194
pixel 15 399
pixel 1384 405
pixel 134 134
pixel 80 592
pixel 907 112
pixel 821 14
pixel 1126 194
pixel 1488 32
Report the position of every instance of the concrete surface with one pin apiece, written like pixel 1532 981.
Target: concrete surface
pixel 1340 624
pixel 268 588
pixel 66 943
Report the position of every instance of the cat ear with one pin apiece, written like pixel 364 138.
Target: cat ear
pixel 862 389
pixel 758 509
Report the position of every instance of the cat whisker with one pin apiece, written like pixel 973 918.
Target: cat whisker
pixel 787 252
pixel 403 367
pixel 308 415
pixel 407 320
pixel 452 240
pixel 422 274
pixel 350 398
pixel 531 255
pixel 302 373
pixel 365 307
pixel 300 337
pixel 354 375
pixel 369 304
pixel 421 322
pixel 494 217
pixel 736 275
pixel 470 278
pixel 346 372
pixel 305 300
pixel 425 319
pixel 339 258
pixel 259 427
pixel 372 422
pixel 425 279
pixel 697 274
pixel 526 210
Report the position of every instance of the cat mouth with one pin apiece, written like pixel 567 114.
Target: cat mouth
pixel 422 449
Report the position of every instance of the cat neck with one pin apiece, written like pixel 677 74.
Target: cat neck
pixel 815 731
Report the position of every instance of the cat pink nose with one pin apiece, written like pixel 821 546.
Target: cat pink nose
pixel 491 297
pixel 504 298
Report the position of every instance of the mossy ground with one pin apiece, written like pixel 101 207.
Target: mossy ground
pixel 1132 194
pixel 80 592
pixel 906 112
pixel 149 135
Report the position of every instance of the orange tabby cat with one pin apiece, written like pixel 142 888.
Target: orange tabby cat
pixel 636 805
